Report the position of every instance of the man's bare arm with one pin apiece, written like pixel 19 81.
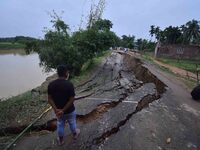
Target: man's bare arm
pixel 69 103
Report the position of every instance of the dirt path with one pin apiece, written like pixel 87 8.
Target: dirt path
pixel 176 70
pixel 133 106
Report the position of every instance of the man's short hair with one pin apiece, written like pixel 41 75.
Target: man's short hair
pixel 62 70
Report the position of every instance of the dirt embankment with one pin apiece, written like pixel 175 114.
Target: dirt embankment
pixel 142 73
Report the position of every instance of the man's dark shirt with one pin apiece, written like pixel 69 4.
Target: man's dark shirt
pixel 61 90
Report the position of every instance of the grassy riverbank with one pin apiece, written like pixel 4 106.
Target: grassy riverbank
pixel 10 46
pixel 90 67
pixel 22 109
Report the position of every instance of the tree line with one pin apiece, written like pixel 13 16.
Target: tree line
pixel 17 39
pixel 61 46
pixel 188 33
pixel 140 44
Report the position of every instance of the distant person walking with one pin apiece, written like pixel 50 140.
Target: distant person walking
pixel 61 98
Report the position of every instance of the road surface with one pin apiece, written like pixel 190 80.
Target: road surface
pixel 134 106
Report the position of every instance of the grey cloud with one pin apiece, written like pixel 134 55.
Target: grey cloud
pixel 28 17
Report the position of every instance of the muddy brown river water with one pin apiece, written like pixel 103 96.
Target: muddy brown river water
pixel 19 72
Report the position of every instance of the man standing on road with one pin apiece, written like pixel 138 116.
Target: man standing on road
pixel 61 98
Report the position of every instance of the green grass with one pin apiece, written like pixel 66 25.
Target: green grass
pixel 188 65
pixel 21 109
pixel 9 45
pixel 11 108
pixel 184 64
pixel 15 101
pixel 89 67
pixel 147 57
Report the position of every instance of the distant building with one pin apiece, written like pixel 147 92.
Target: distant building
pixel 178 51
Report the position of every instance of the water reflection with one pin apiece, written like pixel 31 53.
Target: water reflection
pixel 19 72
pixel 20 52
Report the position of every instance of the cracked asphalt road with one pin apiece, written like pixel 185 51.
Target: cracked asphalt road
pixel 133 107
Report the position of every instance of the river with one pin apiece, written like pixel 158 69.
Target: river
pixel 19 72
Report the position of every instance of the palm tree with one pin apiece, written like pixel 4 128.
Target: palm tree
pixel 152 30
pixel 191 31
pixel 171 34
pixel 158 33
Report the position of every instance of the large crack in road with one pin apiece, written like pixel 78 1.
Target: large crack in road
pixel 119 91
pixel 142 103
pixel 117 78
pixel 121 88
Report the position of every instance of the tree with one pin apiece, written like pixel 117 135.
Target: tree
pixel 59 47
pixel 191 31
pixel 152 30
pixel 102 24
pixel 56 48
pixel 139 44
pixel 94 40
pixel 128 41
pixel 171 35
pixel 32 46
pixel 155 31
pixel 86 43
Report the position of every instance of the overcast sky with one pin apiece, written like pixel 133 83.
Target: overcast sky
pixel 134 17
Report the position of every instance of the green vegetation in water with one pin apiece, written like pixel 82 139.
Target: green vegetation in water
pixel 9 45
pixel 189 65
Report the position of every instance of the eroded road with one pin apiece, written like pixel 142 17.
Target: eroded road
pixel 130 109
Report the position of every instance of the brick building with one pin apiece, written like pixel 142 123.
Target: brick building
pixel 191 52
